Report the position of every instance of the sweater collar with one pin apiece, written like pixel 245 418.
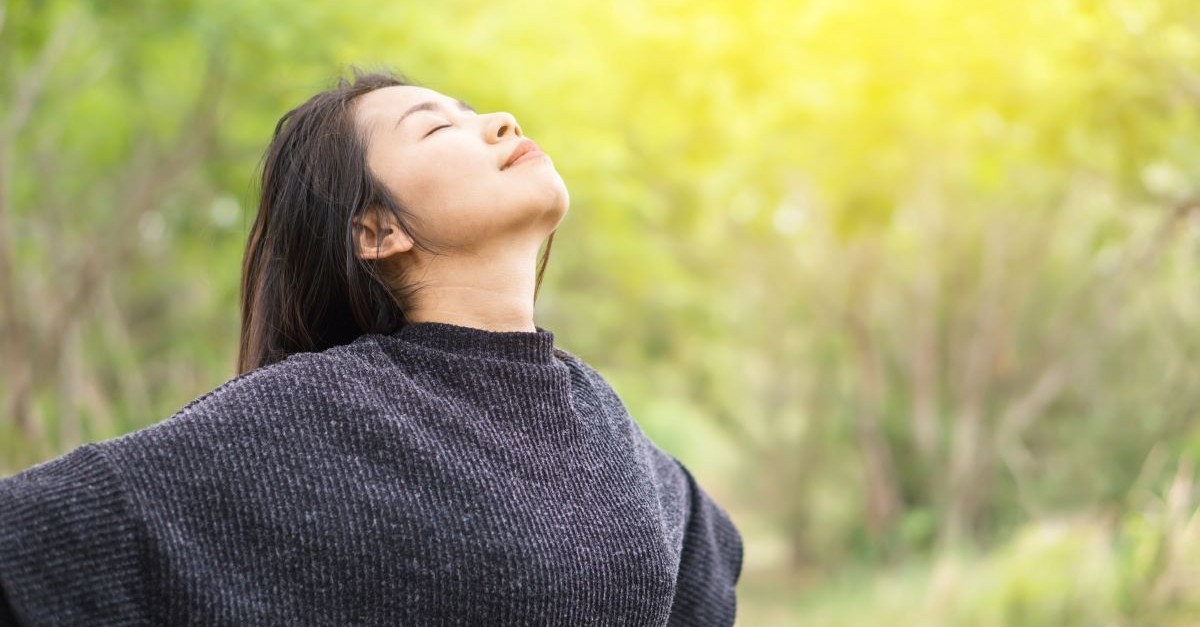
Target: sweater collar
pixel 525 346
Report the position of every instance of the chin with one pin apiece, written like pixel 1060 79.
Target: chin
pixel 559 204
pixel 543 208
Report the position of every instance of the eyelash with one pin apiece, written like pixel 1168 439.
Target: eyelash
pixel 436 129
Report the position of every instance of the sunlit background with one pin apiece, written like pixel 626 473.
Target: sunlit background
pixel 912 286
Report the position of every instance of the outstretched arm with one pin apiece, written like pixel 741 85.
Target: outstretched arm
pixel 67 551
pixel 710 565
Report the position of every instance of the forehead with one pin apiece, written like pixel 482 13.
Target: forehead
pixel 387 103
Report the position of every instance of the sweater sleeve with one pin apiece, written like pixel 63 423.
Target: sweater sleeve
pixel 67 545
pixel 710 564
pixel 710 560
pixel 7 618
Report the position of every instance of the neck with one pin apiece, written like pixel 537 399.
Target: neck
pixel 490 290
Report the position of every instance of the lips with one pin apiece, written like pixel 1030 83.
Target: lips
pixel 526 145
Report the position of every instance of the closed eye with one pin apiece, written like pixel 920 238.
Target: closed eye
pixel 436 128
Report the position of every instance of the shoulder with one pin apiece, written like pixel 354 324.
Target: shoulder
pixel 301 382
pixel 587 380
pixel 587 376
pixel 284 407
pixel 279 420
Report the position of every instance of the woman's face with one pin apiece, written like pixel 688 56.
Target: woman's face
pixel 445 163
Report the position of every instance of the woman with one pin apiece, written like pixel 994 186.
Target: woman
pixel 403 445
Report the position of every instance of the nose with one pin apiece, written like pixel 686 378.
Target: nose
pixel 502 125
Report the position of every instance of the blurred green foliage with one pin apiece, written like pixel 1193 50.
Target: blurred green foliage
pixel 1070 571
pixel 905 281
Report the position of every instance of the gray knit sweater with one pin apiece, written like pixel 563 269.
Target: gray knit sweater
pixel 441 475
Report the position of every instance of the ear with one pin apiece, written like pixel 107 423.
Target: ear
pixel 378 236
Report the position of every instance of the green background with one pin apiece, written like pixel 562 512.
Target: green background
pixel 913 286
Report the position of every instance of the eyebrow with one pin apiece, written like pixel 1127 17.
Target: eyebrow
pixel 431 105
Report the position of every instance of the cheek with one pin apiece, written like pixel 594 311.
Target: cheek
pixel 448 174
pixel 418 179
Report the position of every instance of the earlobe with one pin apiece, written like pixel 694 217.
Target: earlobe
pixel 376 238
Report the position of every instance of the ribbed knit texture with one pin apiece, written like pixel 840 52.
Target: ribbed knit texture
pixel 442 475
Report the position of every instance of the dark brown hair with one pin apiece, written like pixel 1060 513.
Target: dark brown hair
pixel 303 287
